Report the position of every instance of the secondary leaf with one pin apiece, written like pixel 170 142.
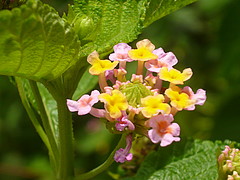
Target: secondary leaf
pixel 35 42
pixel 183 160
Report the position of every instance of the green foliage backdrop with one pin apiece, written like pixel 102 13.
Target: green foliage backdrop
pixel 203 36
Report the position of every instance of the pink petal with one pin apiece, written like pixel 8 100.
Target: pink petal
pixel 158 52
pixel 94 97
pixel 120 52
pixel 73 106
pixel 168 117
pixel 154 136
pixel 168 139
pixel 169 59
pixel 200 96
pixel 84 110
pixel 175 129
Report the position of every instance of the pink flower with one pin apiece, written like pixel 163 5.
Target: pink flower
pixel 199 97
pixel 162 130
pixel 121 53
pixel 84 104
pixel 164 60
pixel 123 155
pixel 123 123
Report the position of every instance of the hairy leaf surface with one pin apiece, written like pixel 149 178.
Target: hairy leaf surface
pixel 110 22
pixel 184 160
pixel 35 42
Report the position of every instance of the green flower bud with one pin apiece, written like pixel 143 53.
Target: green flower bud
pixel 84 26
pixel 134 92
pixel 229 162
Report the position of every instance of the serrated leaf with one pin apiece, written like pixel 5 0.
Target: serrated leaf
pixel 35 42
pixel 159 8
pixel 119 21
pixel 184 160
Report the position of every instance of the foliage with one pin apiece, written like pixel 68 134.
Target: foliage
pixel 39 45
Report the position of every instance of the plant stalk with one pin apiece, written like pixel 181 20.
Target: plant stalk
pixel 66 168
pixel 104 165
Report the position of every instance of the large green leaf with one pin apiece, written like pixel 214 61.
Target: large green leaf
pixel 157 9
pixel 184 160
pixel 35 42
pixel 112 21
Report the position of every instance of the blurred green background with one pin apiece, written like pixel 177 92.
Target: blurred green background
pixel 204 36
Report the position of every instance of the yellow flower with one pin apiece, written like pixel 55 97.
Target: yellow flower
pixel 174 76
pixel 99 66
pixel 143 51
pixel 179 100
pixel 152 105
pixel 114 103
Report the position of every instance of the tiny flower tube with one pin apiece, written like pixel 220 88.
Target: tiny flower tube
pixel 120 74
pixel 110 76
pixel 163 130
pixel 123 155
pixel 142 53
pixel 153 105
pixel 174 76
pixel 84 104
pixel 114 103
pixel 124 123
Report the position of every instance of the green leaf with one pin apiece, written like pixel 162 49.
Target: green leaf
pixel 157 9
pixel 184 160
pixel 35 42
pixel 111 21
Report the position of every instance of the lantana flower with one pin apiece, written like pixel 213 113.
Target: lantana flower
pixel 84 104
pixel 145 103
pixel 163 130
pixel 164 60
pixel 153 105
pixel 174 76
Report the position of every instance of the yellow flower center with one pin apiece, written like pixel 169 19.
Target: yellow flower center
pixel 141 54
pixel 152 105
pixel 179 100
pixel 174 76
pixel 114 103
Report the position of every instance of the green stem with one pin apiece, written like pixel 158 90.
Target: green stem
pixel 66 169
pixel 45 122
pixel 31 115
pixel 105 165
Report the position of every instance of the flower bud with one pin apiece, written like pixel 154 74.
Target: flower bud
pixel 229 162
pixel 84 26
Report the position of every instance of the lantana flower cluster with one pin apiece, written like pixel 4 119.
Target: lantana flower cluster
pixel 229 163
pixel 140 105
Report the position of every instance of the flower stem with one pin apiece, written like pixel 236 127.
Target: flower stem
pixel 140 67
pixel 104 165
pixel 66 168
